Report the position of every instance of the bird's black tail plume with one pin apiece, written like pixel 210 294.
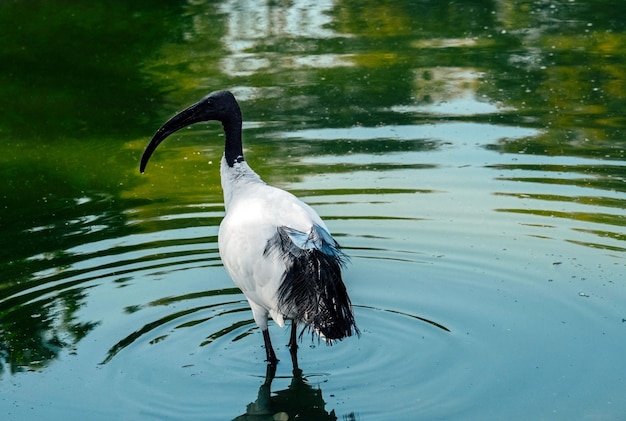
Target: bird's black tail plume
pixel 312 291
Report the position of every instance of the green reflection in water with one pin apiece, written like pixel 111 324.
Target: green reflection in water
pixel 72 92
pixel 83 87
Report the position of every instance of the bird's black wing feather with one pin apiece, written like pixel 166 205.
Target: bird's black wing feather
pixel 312 290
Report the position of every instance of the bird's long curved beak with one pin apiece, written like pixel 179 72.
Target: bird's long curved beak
pixel 191 115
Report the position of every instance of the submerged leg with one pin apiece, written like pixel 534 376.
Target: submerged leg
pixel 269 350
pixel 293 346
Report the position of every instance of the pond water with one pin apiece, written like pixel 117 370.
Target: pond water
pixel 469 156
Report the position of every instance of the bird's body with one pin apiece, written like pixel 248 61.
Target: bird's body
pixel 254 210
pixel 275 247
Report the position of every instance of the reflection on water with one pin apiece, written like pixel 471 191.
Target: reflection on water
pixel 257 25
pixel 585 194
pixel 170 318
pixel 469 156
pixel 35 333
pixel 299 400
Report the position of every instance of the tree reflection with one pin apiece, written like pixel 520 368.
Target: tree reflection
pixel 72 84
pixel 35 333
pixel 566 76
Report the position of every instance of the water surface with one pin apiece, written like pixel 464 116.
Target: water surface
pixel 469 157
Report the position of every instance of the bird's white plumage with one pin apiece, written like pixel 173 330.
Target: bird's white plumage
pixel 254 211
pixel 276 248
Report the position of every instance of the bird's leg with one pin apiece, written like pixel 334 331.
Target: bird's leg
pixel 293 347
pixel 269 350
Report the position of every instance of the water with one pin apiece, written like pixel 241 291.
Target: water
pixel 469 158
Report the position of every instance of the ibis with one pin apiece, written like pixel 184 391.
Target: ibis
pixel 275 247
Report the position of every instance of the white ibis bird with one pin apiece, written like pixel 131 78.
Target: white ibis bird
pixel 275 248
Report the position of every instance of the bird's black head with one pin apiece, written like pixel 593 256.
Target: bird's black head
pixel 220 106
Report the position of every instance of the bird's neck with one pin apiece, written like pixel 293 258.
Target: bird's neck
pixel 236 174
pixel 236 179
pixel 233 149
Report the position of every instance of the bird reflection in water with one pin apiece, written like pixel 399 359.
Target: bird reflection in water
pixel 299 401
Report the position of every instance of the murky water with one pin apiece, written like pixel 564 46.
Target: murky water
pixel 469 157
